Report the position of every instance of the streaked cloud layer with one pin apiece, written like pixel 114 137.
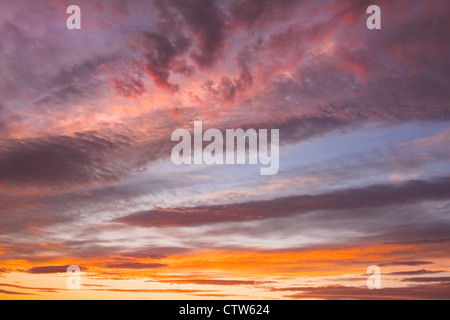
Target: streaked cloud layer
pixel 86 177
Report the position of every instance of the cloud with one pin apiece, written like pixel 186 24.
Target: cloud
pixel 129 88
pixel 83 126
pixel 414 272
pixel 405 263
pixel 155 290
pixel 48 75
pixel 310 68
pixel 68 161
pixel 160 55
pixel 428 279
pixel 207 23
pixel 257 12
pixel 3 117
pixel 298 129
pixel 80 83
pixel 216 282
pixel 215 295
pixel 29 288
pixel 50 269
pixel 14 293
pixel 422 241
pixel 439 291
pixel 372 196
pixel 136 265
pixel 194 27
pixel 152 253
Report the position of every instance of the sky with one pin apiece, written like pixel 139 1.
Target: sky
pixel 86 176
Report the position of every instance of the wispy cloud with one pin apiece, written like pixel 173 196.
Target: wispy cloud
pixel 373 196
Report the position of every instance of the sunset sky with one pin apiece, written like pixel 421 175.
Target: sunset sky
pixel 86 176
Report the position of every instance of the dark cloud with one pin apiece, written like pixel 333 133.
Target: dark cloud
pixel 422 241
pixel 64 161
pixel 136 265
pixel 428 279
pixel 294 130
pixel 35 71
pixel 28 288
pixel 438 291
pixel 152 253
pixel 372 196
pixel 3 120
pixel 14 73
pixel 161 55
pixel 50 269
pixel 244 61
pixel 129 88
pixel 206 21
pixel 27 215
pixel 80 250
pixel 77 84
pixel 409 82
pixel 405 263
pixel 256 12
pixel 413 272
pixel 340 227
pixel 394 77
pixel 14 292
pixel 227 89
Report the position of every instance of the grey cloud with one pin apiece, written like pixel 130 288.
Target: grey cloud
pixel 207 22
pixel 372 196
pixel 77 84
pixel 160 54
pixel 253 12
pixel 65 161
